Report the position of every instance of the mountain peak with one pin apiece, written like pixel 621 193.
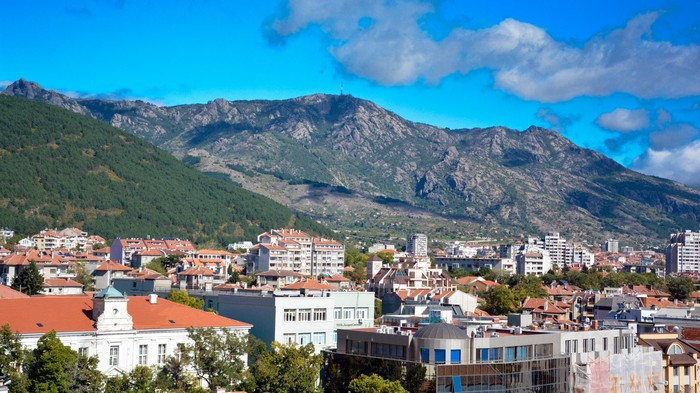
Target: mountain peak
pixel 25 88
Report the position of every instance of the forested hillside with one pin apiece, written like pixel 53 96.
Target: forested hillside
pixel 63 169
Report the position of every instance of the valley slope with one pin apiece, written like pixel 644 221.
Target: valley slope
pixel 360 168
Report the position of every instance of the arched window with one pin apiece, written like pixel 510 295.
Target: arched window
pixel 674 349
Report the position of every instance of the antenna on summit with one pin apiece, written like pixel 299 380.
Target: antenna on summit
pixel 341 88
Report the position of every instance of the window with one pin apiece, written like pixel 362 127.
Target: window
pixel 567 347
pixel 337 313
pixel 593 344
pixel 161 353
pixel 290 315
pixel 522 352
pixel 348 313
pixel 605 343
pixel 305 314
pixel 439 356
pixel 83 351
pixel 319 314
pixel 686 370
pixel 585 345
pixel 288 338
pixel 509 354
pixel 362 313
pixel 675 349
pixel 424 355
pixel 143 354
pixel 455 356
pixel 616 344
pixel 574 347
pixel 320 338
pixel 675 371
pixel 303 338
pixel 114 355
pixel 335 336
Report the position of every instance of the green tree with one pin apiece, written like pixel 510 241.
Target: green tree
pixel 387 257
pixel 183 297
pixel 52 364
pixel 29 280
pixel 499 300
pixel 374 384
pixel 286 369
pixel 529 286
pixel 11 355
pixel 83 276
pixel 679 287
pixel 86 377
pixel 117 384
pixel 215 356
pixel 141 380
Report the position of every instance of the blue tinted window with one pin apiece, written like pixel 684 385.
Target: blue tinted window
pixel 455 356
pixel 439 356
pixel 424 355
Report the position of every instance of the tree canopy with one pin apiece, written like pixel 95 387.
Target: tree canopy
pixel 183 297
pixel 286 368
pixel 374 384
pixel 29 280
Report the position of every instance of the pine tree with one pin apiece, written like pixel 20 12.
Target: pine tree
pixel 29 280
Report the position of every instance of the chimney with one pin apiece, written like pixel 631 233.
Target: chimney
pixel 153 298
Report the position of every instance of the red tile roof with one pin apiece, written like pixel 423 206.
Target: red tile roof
pixel 197 271
pixel 113 266
pixel 9 293
pixel 61 282
pixel 38 315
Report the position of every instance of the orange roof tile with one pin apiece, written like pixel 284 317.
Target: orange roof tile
pixel 113 266
pixel 61 282
pixel 38 315
pixel 197 271
pixel 9 293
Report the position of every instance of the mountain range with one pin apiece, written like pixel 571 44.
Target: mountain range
pixel 368 172
pixel 61 169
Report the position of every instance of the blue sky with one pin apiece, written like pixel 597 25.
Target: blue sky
pixel 620 77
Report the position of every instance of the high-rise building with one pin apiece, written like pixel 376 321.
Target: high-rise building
pixel 556 246
pixel 417 244
pixel 683 252
pixel 612 245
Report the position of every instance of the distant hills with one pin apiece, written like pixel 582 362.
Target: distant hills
pixel 64 169
pixel 365 170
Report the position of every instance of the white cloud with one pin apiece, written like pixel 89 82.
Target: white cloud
pixel 681 164
pixel 4 84
pixel 624 120
pixel 385 42
pixel 674 135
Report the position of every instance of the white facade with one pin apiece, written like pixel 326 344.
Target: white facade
pixel 289 249
pixel 417 245
pixel 300 319
pixel 533 260
pixel 683 252
pixel 556 246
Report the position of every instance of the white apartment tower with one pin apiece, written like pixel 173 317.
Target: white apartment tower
pixel 612 245
pixel 683 252
pixel 417 244
pixel 556 246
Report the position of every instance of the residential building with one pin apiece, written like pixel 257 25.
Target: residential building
pixel 417 245
pixel 278 278
pixel 475 263
pixel 533 260
pixel 556 246
pixel 299 316
pixel 50 265
pixel 291 249
pixel 408 274
pixel 123 332
pixel 62 286
pixel 122 250
pixel 683 252
pixel 680 361
pixel 379 247
pixel 105 272
pixel 612 245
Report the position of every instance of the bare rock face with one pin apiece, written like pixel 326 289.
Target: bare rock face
pixel 533 180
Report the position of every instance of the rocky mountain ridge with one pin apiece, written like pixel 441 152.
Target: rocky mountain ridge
pixel 360 168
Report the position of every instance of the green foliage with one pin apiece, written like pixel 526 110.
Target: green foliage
pixel 387 257
pixel 83 276
pixel 183 297
pixel 51 365
pixel 71 170
pixel 215 356
pixel 499 300
pixel 87 378
pixel 375 384
pixel 358 261
pixel 341 369
pixel 528 286
pixel 286 369
pixel 29 280
pixel 11 355
pixel 679 287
